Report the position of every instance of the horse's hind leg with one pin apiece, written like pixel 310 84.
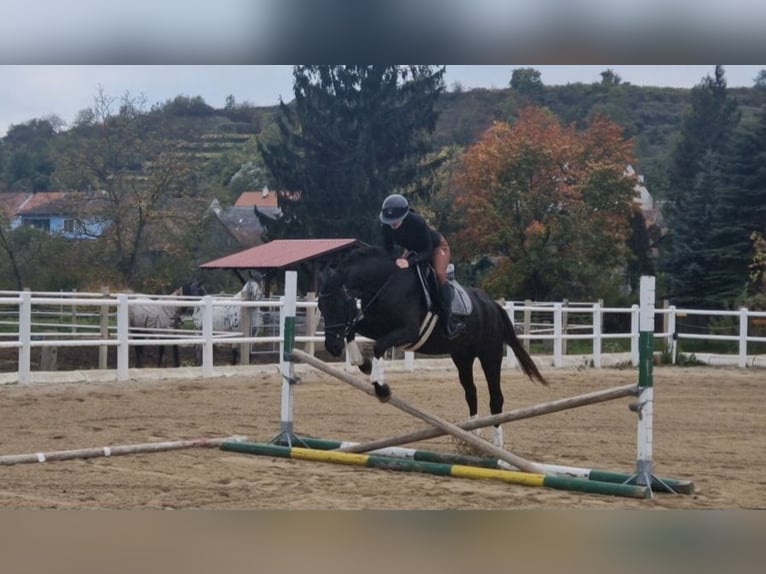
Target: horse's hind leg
pixel 464 366
pixel 491 364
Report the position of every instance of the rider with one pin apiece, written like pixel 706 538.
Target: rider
pixel 406 227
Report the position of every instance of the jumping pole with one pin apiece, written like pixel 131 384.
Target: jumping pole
pixel 501 418
pixel 441 469
pixel 117 450
pixel 433 420
pixel 598 475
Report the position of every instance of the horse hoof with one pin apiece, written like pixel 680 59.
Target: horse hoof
pixel 366 367
pixel 382 391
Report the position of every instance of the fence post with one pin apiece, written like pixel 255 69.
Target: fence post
pixel 25 336
pixel 634 335
pixel 743 318
pixel 247 328
pixel 558 338
pixel 597 335
pixel 123 334
pixel 207 336
pixel 74 314
pixel 672 333
pixel 312 322
pixel 103 350
pixel 527 322
pixel 564 325
pixel 509 358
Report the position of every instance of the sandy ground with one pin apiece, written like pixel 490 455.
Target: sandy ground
pixel 710 425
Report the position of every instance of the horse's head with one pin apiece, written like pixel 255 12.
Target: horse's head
pixel 251 290
pixel 338 310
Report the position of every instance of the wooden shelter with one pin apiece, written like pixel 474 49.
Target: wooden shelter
pixel 272 259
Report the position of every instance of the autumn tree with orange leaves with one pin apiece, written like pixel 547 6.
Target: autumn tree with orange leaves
pixel 550 205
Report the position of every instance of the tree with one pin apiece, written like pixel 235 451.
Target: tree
pixel 28 150
pixel 145 189
pixel 691 259
pixel 740 210
pixel 528 83
pixel 551 204
pixel 353 135
pixel 610 78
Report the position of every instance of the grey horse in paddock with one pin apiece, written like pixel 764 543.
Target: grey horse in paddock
pixel 228 318
pixel 149 320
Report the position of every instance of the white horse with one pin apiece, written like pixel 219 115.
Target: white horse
pixel 228 318
pixel 147 321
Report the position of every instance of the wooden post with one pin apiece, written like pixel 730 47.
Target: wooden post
pixel 564 326
pixel 312 322
pixel 48 358
pixel 103 350
pixel 527 323
pixel 245 314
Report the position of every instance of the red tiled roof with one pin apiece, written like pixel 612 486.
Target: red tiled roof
pixel 10 202
pixel 279 253
pixel 41 201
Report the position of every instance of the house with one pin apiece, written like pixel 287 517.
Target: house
pixel 73 215
pixel 241 221
pixel 9 206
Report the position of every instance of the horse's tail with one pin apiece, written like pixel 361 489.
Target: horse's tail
pixel 525 360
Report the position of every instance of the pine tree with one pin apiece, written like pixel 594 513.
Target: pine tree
pixel 353 135
pixel 741 209
pixel 691 260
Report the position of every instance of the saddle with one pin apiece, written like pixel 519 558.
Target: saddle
pixel 461 302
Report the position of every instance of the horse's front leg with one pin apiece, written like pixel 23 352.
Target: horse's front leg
pixel 398 337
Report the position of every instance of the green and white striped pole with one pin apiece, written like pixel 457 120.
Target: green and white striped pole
pixel 286 366
pixel 598 475
pixel 441 469
pixel 644 406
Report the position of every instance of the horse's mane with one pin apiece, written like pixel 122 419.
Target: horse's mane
pixel 366 252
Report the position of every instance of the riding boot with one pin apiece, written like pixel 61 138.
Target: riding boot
pixel 452 327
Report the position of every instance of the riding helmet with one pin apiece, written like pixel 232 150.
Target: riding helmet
pixel 395 209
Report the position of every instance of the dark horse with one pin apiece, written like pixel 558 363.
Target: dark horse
pixel 393 308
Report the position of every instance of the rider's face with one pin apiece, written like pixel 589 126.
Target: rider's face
pixel 396 225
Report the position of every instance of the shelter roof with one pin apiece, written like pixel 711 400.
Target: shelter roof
pixel 280 254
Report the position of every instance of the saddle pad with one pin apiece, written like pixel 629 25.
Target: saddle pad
pixel 461 302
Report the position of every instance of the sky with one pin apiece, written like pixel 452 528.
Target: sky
pixel 54 54
pixel 28 92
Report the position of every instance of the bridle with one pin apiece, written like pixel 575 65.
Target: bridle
pixel 351 320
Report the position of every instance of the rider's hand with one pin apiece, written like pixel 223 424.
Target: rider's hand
pixel 402 263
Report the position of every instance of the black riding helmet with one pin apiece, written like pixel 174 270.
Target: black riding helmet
pixel 395 209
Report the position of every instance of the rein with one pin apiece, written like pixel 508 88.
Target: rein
pixel 350 324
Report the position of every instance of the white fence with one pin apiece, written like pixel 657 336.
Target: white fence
pixel 44 321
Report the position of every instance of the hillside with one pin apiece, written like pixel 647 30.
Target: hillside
pixel 651 115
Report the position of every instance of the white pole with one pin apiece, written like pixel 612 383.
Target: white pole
pixel 558 336
pixel 286 366
pixel 596 335
pixel 123 328
pixel 207 336
pixel 25 336
pixel 742 361
pixel 645 404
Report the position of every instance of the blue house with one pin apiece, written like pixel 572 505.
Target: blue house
pixel 74 215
